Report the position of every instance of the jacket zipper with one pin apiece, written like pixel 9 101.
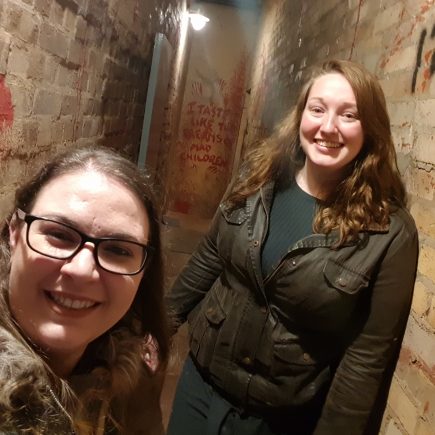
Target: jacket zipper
pixel 61 407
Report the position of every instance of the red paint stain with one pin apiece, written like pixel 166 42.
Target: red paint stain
pixel 426 79
pixel 408 358
pixel 6 108
pixel 425 7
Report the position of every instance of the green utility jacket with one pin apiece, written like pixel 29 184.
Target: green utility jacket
pixel 315 337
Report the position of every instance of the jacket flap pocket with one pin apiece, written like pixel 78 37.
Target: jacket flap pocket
pixel 292 353
pixel 343 278
pixel 214 314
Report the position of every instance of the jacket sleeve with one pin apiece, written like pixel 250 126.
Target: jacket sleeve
pixel 368 363
pixel 197 277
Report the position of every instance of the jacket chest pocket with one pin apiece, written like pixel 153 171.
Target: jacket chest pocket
pixel 343 278
pixel 204 329
pixel 233 236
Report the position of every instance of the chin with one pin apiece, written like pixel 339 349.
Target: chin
pixel 59 342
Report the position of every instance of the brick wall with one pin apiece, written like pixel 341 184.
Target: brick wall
pixel 396 40
pixel 74 72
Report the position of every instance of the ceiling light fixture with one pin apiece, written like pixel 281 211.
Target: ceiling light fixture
pixel 198 20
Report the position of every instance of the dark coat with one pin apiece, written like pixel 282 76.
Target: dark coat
pixel 316 336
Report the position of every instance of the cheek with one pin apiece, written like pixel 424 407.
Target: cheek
pixel 355 133
pixel 308 127
pixel 18 287
pixel 304 126
pixel 28 269
pixel 123 292
pixel 18 268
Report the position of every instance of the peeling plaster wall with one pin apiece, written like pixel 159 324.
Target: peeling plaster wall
pixel 74 72
pixel 396 40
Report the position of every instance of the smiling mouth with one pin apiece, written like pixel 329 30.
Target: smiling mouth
pixel 327 144
pixel 72 304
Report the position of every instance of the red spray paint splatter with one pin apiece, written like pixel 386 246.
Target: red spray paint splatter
pixel 6 108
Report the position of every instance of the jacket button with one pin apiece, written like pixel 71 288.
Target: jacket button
pixel 341 282
pixel 293 262
pixel 247 361
pixel 256 243
pixel 306 357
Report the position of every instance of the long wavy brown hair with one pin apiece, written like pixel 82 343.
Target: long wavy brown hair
pixel 30 393
pixel 372 187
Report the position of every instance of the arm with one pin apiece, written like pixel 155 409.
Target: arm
pixel 197 277
pixel 363 370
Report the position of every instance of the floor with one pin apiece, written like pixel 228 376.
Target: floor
pixel 180 236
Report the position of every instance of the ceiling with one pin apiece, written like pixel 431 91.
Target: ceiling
pixel 242 4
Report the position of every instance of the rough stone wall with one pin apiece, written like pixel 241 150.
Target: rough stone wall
pixel 396 40
pixel 74 72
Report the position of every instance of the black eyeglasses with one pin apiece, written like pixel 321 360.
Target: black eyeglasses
pixel 58 240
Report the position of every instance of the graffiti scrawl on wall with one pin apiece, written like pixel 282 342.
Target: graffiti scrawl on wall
pixel 208 137
pixel 424 66
pixel 429 61
pixel 208 126
pixel 6 108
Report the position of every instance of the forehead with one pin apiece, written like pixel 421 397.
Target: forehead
pixel 334 85
pixel 94 201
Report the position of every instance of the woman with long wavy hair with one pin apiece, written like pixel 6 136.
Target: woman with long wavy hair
pixel 81 300
pixel 298 297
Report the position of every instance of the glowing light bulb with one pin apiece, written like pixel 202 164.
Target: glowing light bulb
pixel 198 20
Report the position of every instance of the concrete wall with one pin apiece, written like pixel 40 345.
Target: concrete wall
pixel 74 72
pixel 396 40
pixel 205 140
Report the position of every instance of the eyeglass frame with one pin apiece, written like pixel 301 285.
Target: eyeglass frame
pixel 29 218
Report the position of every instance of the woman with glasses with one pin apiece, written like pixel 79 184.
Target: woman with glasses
pixel 82 318
pixel 298 297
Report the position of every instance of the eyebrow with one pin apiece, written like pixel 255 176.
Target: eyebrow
pixel 344 103
pixel 115 235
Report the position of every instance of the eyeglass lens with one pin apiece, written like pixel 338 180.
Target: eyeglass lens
pixel 59 241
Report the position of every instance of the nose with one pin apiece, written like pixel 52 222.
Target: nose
pixel 329 124
pixel 82 264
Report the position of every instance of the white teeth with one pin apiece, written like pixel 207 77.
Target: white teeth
pixel 71 303
pixel 326 144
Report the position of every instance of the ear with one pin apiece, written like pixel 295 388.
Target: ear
pixel 14 231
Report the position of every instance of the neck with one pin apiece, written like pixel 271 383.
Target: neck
pixel 316 182
pixel 62 364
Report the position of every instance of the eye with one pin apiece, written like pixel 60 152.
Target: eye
pixel 60 235
pixel 56 234
pixel 350 116
pixel 116 249
pixel 316 111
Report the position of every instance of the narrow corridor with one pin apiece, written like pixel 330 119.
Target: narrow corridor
pixel 180 235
